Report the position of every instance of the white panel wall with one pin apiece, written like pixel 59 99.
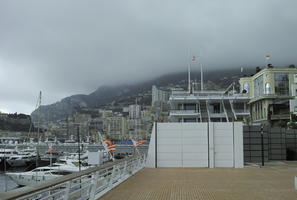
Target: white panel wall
pixel 150 160
pixel 238 145
pixel 197 145
pixel 223 144
pixel 169 136
pixel 194 145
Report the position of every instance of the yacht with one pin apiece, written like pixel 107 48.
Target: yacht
pixel 41 174
pixel 5 154
pixel 23 158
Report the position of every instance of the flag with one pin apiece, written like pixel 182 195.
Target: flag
pixel 51 150
pixel 137 143
pixel 108 145
pixel 194 58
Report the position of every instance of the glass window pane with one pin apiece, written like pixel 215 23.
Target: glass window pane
pixel 259 88
pixel 281 84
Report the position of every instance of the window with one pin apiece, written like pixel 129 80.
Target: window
pixel 190 120
pixel 259 86
pixel 281 84
pixel 214 108
pixel 267 88
pixel 191 106
pixel 246 87
pixel 61 173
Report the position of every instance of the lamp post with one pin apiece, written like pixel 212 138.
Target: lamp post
pixel 262 143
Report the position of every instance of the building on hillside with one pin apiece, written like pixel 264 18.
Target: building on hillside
pixel 159 95
pixel 116 127
pixel 134 111
pixel 208 106
pixel 272 93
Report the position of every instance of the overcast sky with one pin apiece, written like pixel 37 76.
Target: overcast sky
pixel 69 47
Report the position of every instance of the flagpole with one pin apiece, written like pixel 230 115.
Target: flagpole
pixel 266 60
pixel 201 74
pixel 101 140
pixel 189 72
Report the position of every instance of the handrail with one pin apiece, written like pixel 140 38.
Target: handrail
pixel 21 192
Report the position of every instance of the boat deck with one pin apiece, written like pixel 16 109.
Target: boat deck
pixel 274 181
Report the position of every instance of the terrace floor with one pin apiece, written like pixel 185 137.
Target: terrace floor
pixel 274 181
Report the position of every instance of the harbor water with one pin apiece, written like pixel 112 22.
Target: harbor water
pixel 6 184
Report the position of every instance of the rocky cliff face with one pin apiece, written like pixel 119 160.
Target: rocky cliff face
pixel 125 93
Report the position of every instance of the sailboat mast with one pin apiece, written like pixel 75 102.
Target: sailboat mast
pixel 38 116
pixel 201 74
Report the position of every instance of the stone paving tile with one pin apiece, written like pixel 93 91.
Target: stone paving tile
pixel 273 182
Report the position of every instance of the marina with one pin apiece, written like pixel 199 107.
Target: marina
pixel 24 172
pixel 6 184
pixel 148 100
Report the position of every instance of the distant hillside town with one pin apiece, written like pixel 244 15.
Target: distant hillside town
pixel 264 96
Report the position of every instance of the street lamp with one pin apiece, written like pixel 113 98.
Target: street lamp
pixel 262 143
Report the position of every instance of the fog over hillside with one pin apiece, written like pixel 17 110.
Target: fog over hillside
pixel 126 94
pixel 66 47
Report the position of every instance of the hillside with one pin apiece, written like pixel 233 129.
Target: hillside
pixel 125 94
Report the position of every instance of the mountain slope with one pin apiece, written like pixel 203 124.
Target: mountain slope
pixel 124 93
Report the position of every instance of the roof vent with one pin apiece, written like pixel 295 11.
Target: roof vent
pixel 258 69
pixel 269 66
pixel 292 66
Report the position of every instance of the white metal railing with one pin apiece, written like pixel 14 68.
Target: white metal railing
pixel 178 97
pixel 184 112
pixel 89 184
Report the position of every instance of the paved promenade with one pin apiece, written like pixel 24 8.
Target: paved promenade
pixel 274 181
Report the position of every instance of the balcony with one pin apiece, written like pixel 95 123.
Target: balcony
pixel 207 95
pixel 241 112
pixel 184 113
pixel 280 116
pixel 217 115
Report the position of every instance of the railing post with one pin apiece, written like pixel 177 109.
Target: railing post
pixel 111 176
pixel 67 190
pixel 124 173
pixel 95 176
pixel 144 159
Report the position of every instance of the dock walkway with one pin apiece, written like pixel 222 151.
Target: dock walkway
pixel 274 181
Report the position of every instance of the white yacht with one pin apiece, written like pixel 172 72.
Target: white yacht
pixel 6 153
pixel 19 160
pixel 40 174
pixel 23 158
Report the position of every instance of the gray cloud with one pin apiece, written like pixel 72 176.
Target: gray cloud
pixel 69 47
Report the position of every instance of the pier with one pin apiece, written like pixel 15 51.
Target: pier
pixel 274 181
